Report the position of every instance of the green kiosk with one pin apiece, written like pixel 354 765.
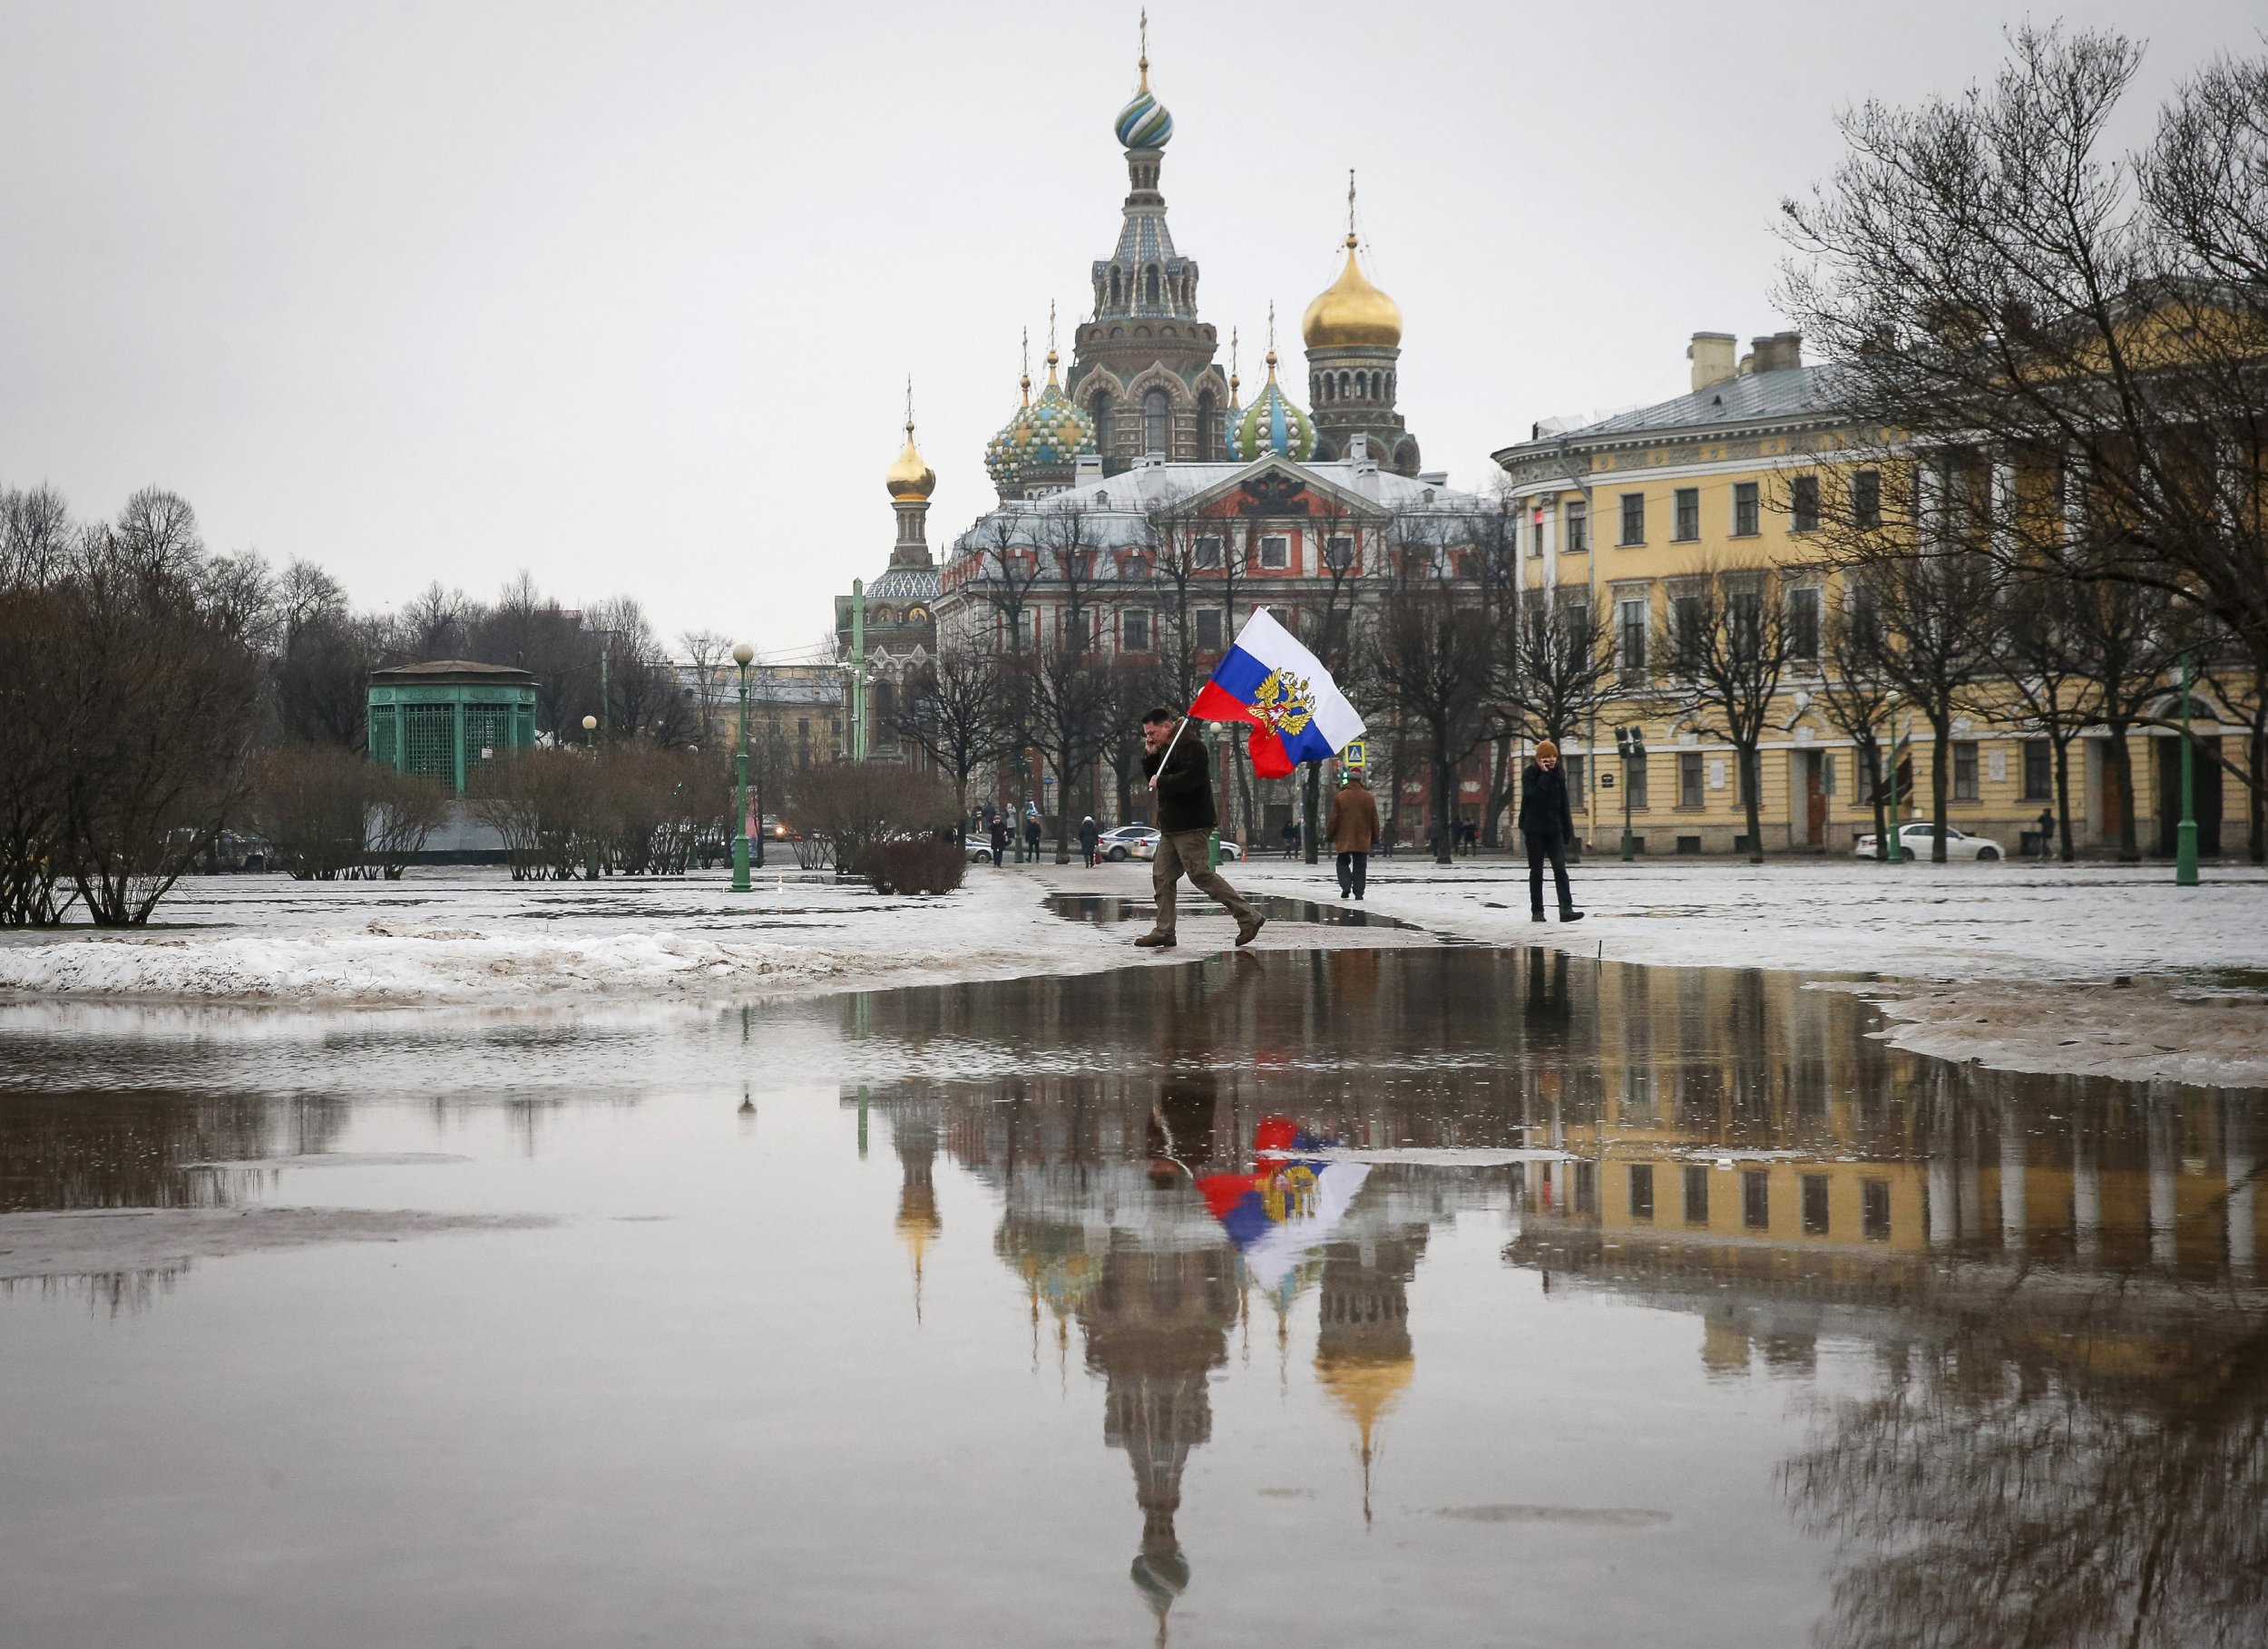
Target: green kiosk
pixel 444 718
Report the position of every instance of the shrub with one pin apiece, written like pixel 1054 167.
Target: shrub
pixel 543 802
pixel 326 811
pixel 854 805
pixel 915 864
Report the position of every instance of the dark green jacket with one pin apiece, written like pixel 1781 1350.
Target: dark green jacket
pixel 1184 789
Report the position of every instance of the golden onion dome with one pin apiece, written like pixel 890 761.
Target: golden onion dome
pixel 909 477
pixel 1352 311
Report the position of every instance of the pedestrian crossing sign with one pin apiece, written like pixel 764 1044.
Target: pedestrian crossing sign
pixel 1356 755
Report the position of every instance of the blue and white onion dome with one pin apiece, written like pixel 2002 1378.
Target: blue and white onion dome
pixel 1272 424
pixel 1145 123
pixel 1050 432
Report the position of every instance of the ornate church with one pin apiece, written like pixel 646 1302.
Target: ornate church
pixel 1143 435
pixel 1144 380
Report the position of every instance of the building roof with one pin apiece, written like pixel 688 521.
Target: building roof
pixel 1118 507
pixel 456 667
pixel 1792 395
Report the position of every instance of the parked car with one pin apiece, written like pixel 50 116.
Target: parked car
pixel 1148 848
pixel 1127 841
pixel 978 849
pixel 1914 842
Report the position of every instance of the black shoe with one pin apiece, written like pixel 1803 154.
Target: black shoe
pixel 1568 915
pixel 1535 916
pixel 1345 894
pixel 1155 942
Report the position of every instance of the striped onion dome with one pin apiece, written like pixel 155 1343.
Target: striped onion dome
pixel 1272 424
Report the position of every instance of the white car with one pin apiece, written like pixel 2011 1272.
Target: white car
pixel 1128 841
pixel 1914 842
pixel 1148 847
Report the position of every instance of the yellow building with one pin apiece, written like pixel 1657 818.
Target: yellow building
pixel 1615 513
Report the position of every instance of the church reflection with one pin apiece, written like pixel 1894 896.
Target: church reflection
pixel 2007 1250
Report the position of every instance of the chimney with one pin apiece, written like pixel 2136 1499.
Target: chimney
pixel 1711 354
pixel 1782 352
pixel 1086 469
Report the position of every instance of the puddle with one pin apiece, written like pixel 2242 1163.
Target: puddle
pixel 1457 1276
pixel 1106 908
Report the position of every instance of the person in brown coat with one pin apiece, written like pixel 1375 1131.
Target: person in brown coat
pixel 1353 832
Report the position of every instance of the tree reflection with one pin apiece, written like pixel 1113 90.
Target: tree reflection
pixel 2053 1471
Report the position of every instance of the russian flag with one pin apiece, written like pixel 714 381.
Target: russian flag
pixel 1287 1206
pixel 1268 679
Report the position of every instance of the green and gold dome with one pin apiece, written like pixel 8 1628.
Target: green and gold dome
pixel 1271 423
pixel 1047 434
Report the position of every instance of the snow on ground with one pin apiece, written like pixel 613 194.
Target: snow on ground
pixel 2010 964
pixel 475 937
pixel 1930 921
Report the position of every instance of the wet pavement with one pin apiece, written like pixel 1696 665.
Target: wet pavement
pixel 1442 1293
pixel 1106 909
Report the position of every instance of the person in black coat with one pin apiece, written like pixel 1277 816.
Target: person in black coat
pixel 1547 818
pixel 1181 774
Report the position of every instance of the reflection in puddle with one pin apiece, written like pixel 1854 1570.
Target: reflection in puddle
pixel 1107 908
pixel 1535 1267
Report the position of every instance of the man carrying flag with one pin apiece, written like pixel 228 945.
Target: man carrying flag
pixel 1182 775
pixel 1296 713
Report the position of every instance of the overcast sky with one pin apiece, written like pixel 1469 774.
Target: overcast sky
pixel 626 295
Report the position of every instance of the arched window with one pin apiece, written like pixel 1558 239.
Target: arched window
pixel 1343 386
pixel 1207 434
pixel 1150 286
pixel 1390 389
pixel 1114 286
pixel 1157 414
pixel 1377 384
pixel 1099 410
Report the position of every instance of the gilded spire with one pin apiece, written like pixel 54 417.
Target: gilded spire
pixel 1051 357
pixel 1233 379
pixel 1025 378
pixel 1271 340
pixel 910 477
pixel 1352 311
pixel 1144 64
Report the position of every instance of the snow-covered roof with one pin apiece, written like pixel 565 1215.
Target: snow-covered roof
pixel 1117 508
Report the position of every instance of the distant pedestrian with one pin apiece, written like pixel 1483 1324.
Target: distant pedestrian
pixel 1090 839
pixel 1031 834
pixel 999 838
pixel 1473 840
pixel 1182 775
pixel 1291 839
pixel 1547 818
pixel 2047 833
pixel 1353 832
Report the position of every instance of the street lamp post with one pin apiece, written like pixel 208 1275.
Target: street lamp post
pixel 1891 851
pixel 1630 744
pixel 2185 834
pixel 741 655
pixel 589 732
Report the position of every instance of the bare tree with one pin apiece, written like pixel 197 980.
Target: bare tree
pixel 1438 657
pixel 162 687
pixel 708 653
pixel 953 711
pixel 1854 692
pixel 1986 275
pixel 1728 631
